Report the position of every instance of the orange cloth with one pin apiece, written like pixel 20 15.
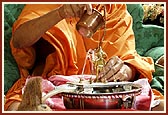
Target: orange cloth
pixel 71 48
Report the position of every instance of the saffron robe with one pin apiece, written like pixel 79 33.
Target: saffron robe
pixel 71 48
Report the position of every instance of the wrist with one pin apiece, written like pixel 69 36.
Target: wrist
pixel 60 13
pixel 131 71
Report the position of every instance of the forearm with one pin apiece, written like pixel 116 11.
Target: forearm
pixel 31 31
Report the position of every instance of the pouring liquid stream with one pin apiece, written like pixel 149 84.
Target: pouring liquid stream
pixel 96 56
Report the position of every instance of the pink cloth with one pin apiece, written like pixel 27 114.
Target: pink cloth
pixel 145 99
pixel 142 102
pixel 56 102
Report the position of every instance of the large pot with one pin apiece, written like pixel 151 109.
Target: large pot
pixel 111 95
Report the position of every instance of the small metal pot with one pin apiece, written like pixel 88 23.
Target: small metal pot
pixel 89 24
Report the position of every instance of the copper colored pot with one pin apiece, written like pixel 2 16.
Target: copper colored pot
pixel 89 24
pixel 109 96
pixel 112 95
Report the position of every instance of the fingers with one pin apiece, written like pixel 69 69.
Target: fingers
pixel 77 10
pixel 114 70
pixel 121 75
pixel 112 67
pixel 109 65
pixel 82 7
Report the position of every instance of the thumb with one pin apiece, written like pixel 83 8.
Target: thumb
pixel 89 9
